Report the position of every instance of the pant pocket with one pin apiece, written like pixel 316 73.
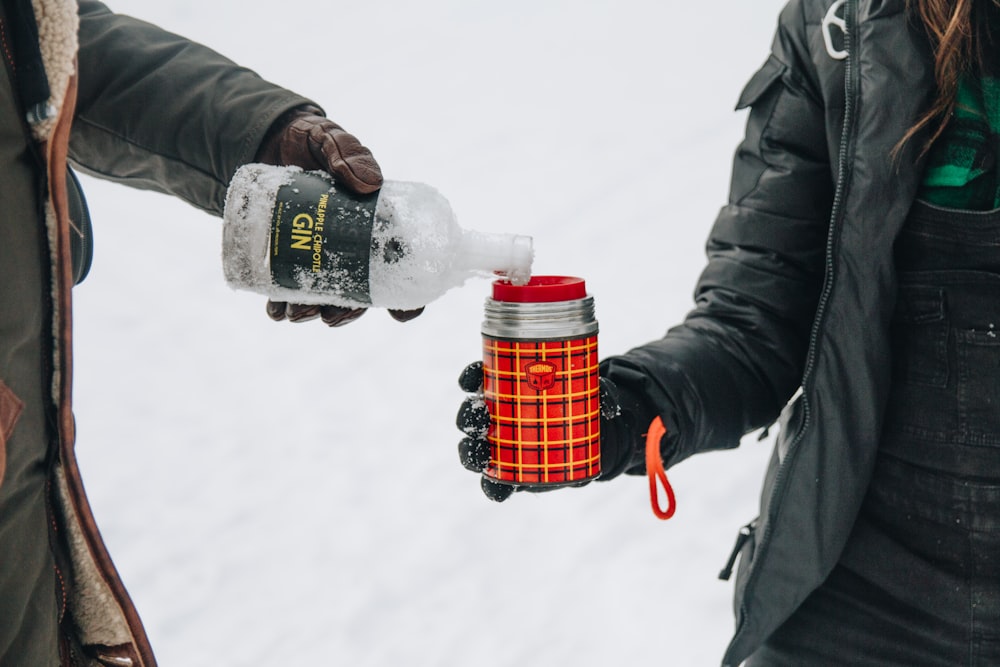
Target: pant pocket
pixel 978 387
pixel 10 409
pixel 920 337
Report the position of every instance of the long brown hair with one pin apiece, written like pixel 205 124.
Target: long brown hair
pixel 960 36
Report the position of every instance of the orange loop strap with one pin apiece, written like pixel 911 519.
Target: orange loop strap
pixel 655 471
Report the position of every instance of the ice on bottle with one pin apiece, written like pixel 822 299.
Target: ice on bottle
pixel 295 236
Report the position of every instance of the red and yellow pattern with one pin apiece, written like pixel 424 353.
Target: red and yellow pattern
pixel 544 403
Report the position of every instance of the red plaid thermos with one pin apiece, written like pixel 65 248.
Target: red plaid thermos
pixel 540 382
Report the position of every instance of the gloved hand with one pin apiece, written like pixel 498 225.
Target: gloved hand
pixel 621 445
pixel 303 137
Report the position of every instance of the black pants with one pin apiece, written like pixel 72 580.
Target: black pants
pixel 918 583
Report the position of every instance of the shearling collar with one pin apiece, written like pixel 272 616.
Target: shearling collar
pixel 58 22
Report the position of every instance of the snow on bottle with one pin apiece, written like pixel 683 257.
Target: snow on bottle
pixel 294 236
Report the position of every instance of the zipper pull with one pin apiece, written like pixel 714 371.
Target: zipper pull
pixel 831 20
pixel 741 539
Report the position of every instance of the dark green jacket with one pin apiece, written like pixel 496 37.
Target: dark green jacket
pixel 149 109
pixel 792 310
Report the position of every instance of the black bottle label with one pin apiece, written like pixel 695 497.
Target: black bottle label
pixel 321 237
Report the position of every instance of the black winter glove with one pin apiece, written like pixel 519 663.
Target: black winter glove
pixel 621 447
pixel 303 137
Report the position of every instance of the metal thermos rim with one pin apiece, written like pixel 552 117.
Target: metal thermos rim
pixel 546 320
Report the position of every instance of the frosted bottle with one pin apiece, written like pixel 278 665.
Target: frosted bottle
pixel 295 236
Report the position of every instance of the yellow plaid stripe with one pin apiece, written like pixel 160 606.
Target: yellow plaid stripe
pixel 548 435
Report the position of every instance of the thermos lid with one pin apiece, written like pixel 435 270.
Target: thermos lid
pixel 541 289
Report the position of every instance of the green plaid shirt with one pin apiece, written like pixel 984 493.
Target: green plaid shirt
pixel 962 170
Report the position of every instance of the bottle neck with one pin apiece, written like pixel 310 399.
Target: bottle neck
pixel 509 255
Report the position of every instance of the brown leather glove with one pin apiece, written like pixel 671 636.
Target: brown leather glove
pixel 304 137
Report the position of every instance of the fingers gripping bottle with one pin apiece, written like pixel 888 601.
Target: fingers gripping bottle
pixel 295 236
pixel 541 382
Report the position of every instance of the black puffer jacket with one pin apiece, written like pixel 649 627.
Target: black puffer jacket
pixel 799 291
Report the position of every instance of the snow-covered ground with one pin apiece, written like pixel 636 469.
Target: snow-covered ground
pixel 291 494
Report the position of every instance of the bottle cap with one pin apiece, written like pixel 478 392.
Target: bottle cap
pixel 541 289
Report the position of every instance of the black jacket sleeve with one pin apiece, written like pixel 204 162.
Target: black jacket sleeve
pixel 736 359
pixel 157 111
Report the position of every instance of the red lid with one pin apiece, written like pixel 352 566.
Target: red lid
pixel 541 289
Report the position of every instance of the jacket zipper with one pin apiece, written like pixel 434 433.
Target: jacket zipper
pixel 836 219
pixel 741 539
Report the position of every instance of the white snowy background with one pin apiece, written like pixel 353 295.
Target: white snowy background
pixel 291 494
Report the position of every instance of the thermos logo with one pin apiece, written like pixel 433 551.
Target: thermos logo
pixel 541 375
